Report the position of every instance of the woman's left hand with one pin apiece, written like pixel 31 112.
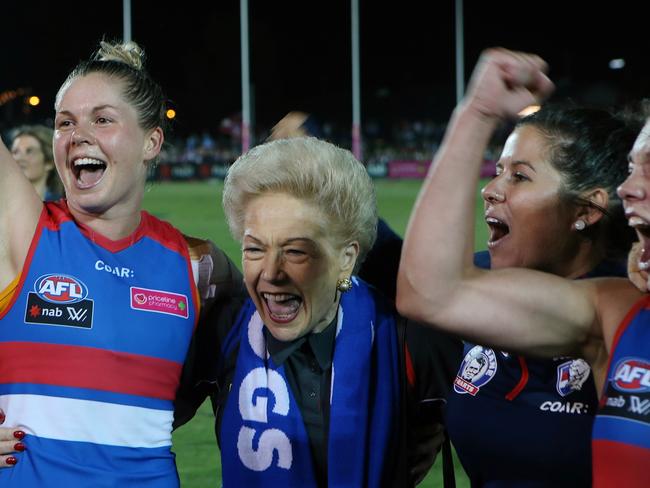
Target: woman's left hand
pixel 10 443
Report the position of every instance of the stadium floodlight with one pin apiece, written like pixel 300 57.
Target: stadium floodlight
pixel 33 101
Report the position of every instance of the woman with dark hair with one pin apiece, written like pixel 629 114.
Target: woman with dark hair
pixel 543 213
pixel 535 311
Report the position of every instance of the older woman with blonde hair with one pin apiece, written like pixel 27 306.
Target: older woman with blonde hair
pixel 322 382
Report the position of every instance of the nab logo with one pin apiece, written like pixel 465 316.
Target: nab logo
pixel 632 375
pixel 59 300
pixel 60 289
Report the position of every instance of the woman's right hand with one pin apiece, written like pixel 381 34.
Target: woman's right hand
pixel 505 82
pixel 10 443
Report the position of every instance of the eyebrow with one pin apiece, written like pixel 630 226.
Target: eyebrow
pixel 95 109
pixel 287 241
pixel 643 158
pixel 524 163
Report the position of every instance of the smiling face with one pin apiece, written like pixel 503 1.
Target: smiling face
pixel 291 265
pixel 27 151
pixel 635 193
pixel 100 150
pixel 529 226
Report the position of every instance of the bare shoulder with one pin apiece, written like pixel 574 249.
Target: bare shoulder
pixel 613 298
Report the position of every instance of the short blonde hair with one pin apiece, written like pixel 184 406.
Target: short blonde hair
pixel 312 170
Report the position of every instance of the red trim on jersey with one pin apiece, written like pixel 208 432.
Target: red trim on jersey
pixel 643 302
pixel 619 464
pixel 57 213
pixel 523 381
pixel 88 367
pixel 410 370
pixel 170 237
pixel 151 227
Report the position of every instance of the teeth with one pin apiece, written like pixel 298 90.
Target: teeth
pixel 88 161
pixel 492 220
pixel 636 221
pixel 644 265
pixel 277 298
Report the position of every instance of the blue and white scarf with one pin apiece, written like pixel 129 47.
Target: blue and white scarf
pixel 263 438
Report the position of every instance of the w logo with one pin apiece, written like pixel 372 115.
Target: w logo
pixel 639 406
pixel 77 315
pixel 43 312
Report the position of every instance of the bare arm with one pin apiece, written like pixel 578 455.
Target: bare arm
pixel 20 207
pixel 438 284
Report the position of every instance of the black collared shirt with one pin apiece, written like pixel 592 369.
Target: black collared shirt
pixel 428 360
pixel 308 368
pixel 432 362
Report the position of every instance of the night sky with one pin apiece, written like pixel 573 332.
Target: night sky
pixel 300 53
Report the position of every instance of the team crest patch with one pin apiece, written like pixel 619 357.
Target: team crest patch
pixel 571 375
pixel 159 301
pixel 477 369
pixel 59 299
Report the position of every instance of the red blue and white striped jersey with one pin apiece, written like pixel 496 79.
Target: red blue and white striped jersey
pixel 621 435
pixel 91 350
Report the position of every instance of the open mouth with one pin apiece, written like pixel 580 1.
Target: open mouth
pixel 88 172
pixel 642 228
pixel 282 307
pixel 498 230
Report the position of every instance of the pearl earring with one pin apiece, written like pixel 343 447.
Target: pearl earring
pixel 343 285
pixel 579 225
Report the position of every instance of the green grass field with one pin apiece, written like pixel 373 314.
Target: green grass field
pixel 195 208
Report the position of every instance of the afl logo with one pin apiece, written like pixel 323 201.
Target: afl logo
pixel 477 369
pixel 632 375
pixel 57 288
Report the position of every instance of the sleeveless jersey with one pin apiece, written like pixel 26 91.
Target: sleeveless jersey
pixel 523 422
pixel 621 436
pixel 91 350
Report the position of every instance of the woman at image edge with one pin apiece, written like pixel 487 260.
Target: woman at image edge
pixel 99 302
pixel 524 310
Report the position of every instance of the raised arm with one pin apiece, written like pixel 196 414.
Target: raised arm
pixel 438 284
pixel 20 207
